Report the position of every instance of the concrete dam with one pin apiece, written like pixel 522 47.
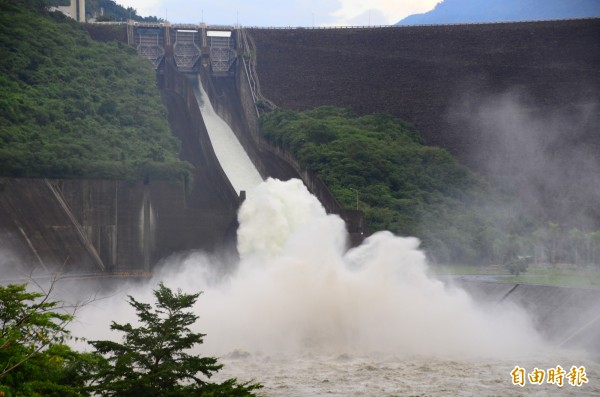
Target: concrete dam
pixel 124 228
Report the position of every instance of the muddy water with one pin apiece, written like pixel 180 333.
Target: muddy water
pixel 380 375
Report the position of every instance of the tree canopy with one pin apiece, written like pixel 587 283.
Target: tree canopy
pixel 156 359
pixel 34 359
pixel 72 107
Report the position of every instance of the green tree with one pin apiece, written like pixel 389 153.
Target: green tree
pixel 518 265
pixel 577 246
pixel 34 360
pixel 155 359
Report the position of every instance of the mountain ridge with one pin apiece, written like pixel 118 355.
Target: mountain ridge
pixel 489 11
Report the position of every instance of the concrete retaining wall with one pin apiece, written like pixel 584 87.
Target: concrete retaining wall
pixel 90 226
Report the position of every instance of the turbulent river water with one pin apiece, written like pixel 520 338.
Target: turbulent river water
pixel 387 375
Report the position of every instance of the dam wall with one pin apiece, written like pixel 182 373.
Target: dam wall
pixel 418 73
pixel 211 186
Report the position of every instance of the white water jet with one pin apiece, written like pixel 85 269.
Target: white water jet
pixel 234 160
pixel 297 289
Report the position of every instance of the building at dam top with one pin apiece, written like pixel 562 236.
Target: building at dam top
pixel 192 46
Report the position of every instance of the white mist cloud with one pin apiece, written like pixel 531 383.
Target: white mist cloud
pixel 310 295
pixel 549 157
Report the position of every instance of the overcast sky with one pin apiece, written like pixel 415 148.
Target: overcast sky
pixel 282 12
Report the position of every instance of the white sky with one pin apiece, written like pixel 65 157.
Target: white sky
pixel 282 12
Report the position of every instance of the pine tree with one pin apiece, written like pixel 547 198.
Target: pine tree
pixel 154 358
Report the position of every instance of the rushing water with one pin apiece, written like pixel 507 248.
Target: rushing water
pixel 345 375
pixel 234 160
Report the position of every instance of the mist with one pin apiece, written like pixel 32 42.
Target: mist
pixel 547 156
pixel 298 289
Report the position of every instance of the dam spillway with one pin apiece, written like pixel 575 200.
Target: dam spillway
pixel 234 160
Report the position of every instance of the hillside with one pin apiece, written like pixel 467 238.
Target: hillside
pixel 109 10
pixel 380 165
pixel 71 107
pixel 476 11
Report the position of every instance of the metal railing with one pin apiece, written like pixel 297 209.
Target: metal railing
pixel 249 53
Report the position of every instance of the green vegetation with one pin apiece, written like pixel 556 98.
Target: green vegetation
pixel 114 12
pixel 34 361
pixel 153 360
pixel 518 265
pixel 412 189
pixel 402 185
pixel 71 107
pixel 565 275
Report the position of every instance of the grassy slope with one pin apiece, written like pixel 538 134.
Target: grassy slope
pixel 72 107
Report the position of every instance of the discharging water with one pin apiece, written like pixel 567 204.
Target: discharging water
pixel 234 160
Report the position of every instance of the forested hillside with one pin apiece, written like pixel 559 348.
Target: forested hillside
pixel 382 166
pixel 73 107
pixel 109 10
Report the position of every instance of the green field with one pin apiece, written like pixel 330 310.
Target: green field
pixel 566 275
